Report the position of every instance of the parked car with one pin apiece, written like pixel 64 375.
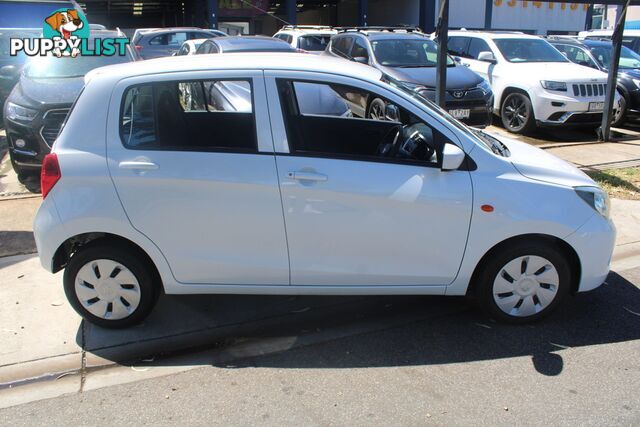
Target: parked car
pixel 243 44
pixel 410 56
pixel 142 196
pixel 10 66
pixel 310 38
pixel 630 38
pixel 597 54
pixel 533 83
pixel 189 47
pixel 39 103
pixel 160 42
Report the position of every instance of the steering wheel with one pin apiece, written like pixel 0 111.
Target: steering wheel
pixel 387 147
pixel 414 144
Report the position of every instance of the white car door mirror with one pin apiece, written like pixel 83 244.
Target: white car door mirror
pixel 361 60
pixel 452 157
pixel 487 56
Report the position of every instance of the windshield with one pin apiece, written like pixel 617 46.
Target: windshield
pixel 407 53
pixel 51 67
pixel 6 34
pixel 485 139
pixel 529 50
pixel 628 58
pixel 313 43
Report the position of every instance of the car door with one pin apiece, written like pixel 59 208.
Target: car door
pixel 352 215
pixel 484 68
pixel 191 157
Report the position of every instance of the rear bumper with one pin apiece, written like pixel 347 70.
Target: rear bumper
pixel 594 243
pixel 48 232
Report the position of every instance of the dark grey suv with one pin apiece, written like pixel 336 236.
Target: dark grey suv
pixel 155 43
pixel 409 56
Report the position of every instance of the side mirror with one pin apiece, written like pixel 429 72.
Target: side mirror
pixel 457 59
pixel 392 113
pixel 487 56
pixel 361 60
pixel 9 71
pixel 452 157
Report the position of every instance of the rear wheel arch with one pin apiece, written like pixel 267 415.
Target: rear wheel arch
pixel 544 239
pixel 76 243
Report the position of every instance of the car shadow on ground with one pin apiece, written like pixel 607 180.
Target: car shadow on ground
pixel 327 332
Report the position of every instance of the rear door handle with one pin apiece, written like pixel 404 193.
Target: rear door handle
pixel 307 176
pixel 143 166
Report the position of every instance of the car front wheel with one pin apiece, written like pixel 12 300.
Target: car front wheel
pixel 517 113
pixel 524 282
pixel 110 286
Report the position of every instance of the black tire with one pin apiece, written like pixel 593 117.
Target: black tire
pixel 622 116
pixel 377 109
pixel 516 113
pixel 134 261
pixel 496 264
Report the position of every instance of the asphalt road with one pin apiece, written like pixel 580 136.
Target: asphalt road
pixel 411 361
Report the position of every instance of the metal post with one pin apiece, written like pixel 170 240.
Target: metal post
pixel 427 15
pixel 616 39
pixel 291 12
pixel 442 35
pixel 488 14
pixel 212 13
pixel 363 13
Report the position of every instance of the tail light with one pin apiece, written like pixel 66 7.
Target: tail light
pixel 50 173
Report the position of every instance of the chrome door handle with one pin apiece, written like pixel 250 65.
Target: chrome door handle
pixel 145 166
pixel 307 176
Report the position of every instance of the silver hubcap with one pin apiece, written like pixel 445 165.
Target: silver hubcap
pixel 525 286
pixel 107 289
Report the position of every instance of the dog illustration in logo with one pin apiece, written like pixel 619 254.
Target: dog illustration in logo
pixel 65 23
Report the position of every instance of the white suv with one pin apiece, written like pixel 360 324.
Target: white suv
pixel 310 38
pixel 533 82
pixel 158 182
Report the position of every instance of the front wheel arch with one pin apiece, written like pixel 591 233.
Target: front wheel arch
pixel 568 251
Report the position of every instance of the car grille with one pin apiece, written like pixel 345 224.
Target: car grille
pixel 589 89
pixel 52 120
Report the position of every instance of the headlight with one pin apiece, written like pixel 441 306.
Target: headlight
pixel 485 86
pixel 551 85
pixel 596 198
pixel 17 112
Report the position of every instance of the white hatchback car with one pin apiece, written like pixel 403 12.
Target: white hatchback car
pixel 145 192
pixel 533 82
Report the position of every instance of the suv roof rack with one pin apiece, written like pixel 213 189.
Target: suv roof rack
pixel 489 31
pixel 406 29
pixel 307 27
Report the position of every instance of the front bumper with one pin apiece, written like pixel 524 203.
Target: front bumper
pixel 594 243
pixel 562 109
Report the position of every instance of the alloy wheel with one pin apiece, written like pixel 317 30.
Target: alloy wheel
pixel 107 289
pixel 525 286
pixel 516 112
pixel 377 110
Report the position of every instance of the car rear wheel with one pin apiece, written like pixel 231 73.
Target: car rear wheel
pixel 524 282
pixel 517 113
pixel 377 110
pixel 110 286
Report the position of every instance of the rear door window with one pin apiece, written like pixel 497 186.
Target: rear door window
pixel 201 115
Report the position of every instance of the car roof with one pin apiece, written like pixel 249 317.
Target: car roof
pixel 494 34
pixel 381 35
pixel 596 43
pixel 105 34
pixel 253 43
pixel 291 61
pixel 307 29
pixel 173 29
